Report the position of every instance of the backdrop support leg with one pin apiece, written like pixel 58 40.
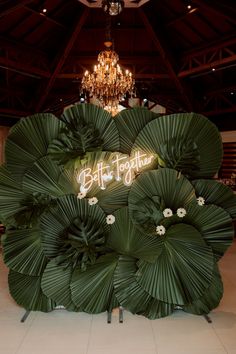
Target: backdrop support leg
pixel 121 314
pixel 24 318
pixel 207 318
pixel 109 316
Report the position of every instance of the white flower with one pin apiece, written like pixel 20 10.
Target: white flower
pixel 110 219
pixel 160 230
pixel 167 213
pixel 81 195
pixel 92 201
pixel 200 201
pixel 181 212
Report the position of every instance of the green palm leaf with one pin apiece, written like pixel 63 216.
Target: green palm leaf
pixel 129 123
pixel 56 281
pixel 211 297
pixel 183 270
pixel 132 296
pixel 74 230
pixel 26 290
pixel 28 141
pixel 215 225
pixel 187 142
pixel 216 193
pixel 45 176
pixel 124 238
pixel 92 290
pixel 97 117
pixel 153 191
pixel 23 252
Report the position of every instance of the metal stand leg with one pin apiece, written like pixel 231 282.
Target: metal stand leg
pixel 24 318
pixel 109 316
pixel 207 318
pixel 121 314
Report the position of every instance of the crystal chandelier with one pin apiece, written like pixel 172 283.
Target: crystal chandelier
pixel 108 83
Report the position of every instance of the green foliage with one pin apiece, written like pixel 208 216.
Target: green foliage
pixel 147 247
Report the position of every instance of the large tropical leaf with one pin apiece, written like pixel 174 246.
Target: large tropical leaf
pixel 183 270
pixel 23 252
pixel 187 142
pixel 75 231
pixel 153 191
pixel 45 176
pixel 28 141
pixel 125 238
pixel 56 281
pixel 96 117
pixel 132 296
pixel 26 290
pixel 216 193
pixel 92 290
pixel 129 123
pixel 211 297
pixel 215 225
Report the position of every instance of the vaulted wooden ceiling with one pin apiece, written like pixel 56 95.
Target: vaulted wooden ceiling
pixel 182 57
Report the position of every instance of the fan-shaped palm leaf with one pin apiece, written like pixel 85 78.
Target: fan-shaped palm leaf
pixel 28 141
pixel 187 142
pixel 215 225
pixel 56 283
pixel 132 296
pixel 26 290
pixel 129 123
pixel 216 193
pixel 92 290
pixel 183 270
pixel 124 238
pixel 74 230
pixel 100 119
pixel 153 191
pixel 45 176
pixel 211 297
pixel 23 252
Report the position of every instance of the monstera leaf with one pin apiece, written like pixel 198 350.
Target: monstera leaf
pixel 75 231
pixel 28 141
pixel 23 252
pixel 131 294
pixel 26 290
pixel 125 238
pixel 183 270
pixel 92 290
pixel 216 193
pixel 188 142
pixel 129 123
pixel 96 118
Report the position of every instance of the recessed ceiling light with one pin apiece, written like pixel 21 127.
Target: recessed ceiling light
pixel 213 69
pixel 44 11
pixel 189 7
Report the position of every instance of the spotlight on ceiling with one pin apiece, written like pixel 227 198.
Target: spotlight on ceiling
pixel 113 7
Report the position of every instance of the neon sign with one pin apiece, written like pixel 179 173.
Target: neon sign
pixel 122 167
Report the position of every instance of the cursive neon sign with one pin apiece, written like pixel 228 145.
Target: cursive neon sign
pixel 121 168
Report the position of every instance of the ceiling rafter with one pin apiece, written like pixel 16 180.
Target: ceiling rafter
pixel 216 9
pixel 46 17
pixel 166 59
pixel 62 58
pixel 15 5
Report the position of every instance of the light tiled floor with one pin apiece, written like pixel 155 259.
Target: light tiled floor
pixel 62 332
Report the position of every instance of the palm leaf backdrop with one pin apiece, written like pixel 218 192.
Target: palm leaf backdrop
pixel 92 290
pixel 23 252
pixel 211 297
pixel 100 119
pixel 183 269
pixel 28 141
pixel 187 142
pixel 132 296
pixel 56 283
pixel 129 123
pixel 126 239
pixel 26 291
pixel 215 225
pixel 216 193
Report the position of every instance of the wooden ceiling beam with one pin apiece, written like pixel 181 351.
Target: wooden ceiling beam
pixel 46 17
pixel 62 58
pixel 166 59
pixel 15 5
pixel 23 69
pixel 217 9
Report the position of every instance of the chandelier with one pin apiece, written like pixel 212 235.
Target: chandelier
pixel 108 82
pixel 112 7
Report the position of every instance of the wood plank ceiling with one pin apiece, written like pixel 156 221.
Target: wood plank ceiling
pixel 182 54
